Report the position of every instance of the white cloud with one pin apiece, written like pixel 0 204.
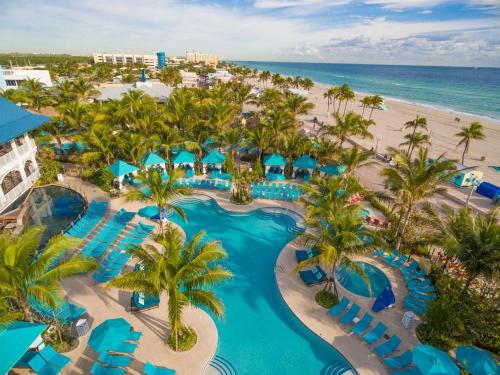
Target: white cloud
pixel 266 4
pixel 405 4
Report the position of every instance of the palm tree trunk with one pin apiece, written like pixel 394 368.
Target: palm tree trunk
pixel 340 103
pixel 405 225
pixel 371 113
pixel 363 113
pixel 466 147
pixel 345 107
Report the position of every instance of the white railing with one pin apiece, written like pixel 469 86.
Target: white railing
pixel 7 158
pixel 19 189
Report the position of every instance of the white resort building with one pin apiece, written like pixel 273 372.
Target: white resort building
pixel 18 166
pixel 189 79
pixel 150 61
pixel 12 78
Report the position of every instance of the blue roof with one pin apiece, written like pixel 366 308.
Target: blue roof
pixel 15 340
pixel 152 159
pixel 15 121
pixel 184 157
pixel 333 169
pixel 275 159
pixel 305 162
pixel 214 157
pixel 121 168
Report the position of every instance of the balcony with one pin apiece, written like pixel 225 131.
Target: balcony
pixel 18 190
pixel 27 148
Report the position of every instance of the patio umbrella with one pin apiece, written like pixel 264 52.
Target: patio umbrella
pixel 148 211
pixel 477 361
pixel 384 299
pixel 432 361
pixel 109 334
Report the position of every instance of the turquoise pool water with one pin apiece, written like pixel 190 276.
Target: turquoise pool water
pixel 353 281
pixel 259 334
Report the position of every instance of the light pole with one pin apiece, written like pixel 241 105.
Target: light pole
pixel 475 182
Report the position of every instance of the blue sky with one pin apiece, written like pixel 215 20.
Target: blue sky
pixel 421 32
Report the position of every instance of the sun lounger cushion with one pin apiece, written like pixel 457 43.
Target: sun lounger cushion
pixel 350 314
pixel 340 307
pixel 388 347
pixel 400 361
pixel 375 333
pixel 363 324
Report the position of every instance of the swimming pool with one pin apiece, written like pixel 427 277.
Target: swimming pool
pixel 354 283
pixel 54 207
pixel 259 334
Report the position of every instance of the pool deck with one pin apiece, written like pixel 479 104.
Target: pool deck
pixel 104 304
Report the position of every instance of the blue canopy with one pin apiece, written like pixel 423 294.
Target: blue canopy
pixel 15 340
pixel 384 299
pixel 184 157
pixel 333 169
pixel 214 157
pixel 16 121
pixel 121 168
pixel 305 162
pixel 477 361
pixel 152 159
pixel 275 159
pixel 432 361
pixel 109 334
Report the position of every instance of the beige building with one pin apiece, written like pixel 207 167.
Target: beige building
pixel 189 79
pixel 198 57
pixel 150 61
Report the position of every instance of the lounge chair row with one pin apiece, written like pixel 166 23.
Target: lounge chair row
pixel 219 175
pixel 65 312
pixel 285 192
pixel 47 362
pixel 205 184
pixel 87 223
pixel 148 369
pixel 361 327
pixel 116 260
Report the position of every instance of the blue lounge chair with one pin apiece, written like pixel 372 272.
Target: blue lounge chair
pixel 375 333
pixel 363 324
pixel 388 347
pixel 414 275
pixel 134 336
pixel 339 307
pixel 150 369
pixel 140 302
pixel 41 367
pixel 399 262
pixel 114 360
pixel 313 276
pixel 304 254
pixel 378 252
pixel 53 357
pixel 350 314
pixel 423 296
pixel 409 371
pixel 418 283
pixel 98 369
pixel 400 361
pixel 390 257
pixel 125 347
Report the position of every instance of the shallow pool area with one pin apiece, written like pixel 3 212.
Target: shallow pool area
pixel 54 207
pixel 354 282
pixel 258 334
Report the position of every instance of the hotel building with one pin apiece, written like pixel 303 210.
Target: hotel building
pixel 150 61
pixel 12 78
pixel 205 58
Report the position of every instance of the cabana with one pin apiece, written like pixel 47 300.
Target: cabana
pixel 152 160
pixel 333 170
pixel 123 172
pixel 15 341
pixel 304 167
pixel 275 167
pixel 185 160
pixel 466 177
pixel 213 161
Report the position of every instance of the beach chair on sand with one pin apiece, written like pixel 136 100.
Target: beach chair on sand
pixel 388 347
pixel 400 361
pixel 375 333
pixel 339 307
pixel 363 324
pixel 350 314
pixel 315 275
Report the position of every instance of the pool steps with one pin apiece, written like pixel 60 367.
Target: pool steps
pixel 338 367
pixel 222 366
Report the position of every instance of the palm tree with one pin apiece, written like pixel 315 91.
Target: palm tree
pixel 35 93
pixel 183 272
pixel 347 95
pixel 350 125
pixel 84 89
pixel 354 158
pixel 64 91
pixel 265 76
pixel 100 143
pixel 414 181
pixel 74 115
pixel 376 101
pixel 57 129
pixel 307 84
pixel 365 102
pixel 32 276
pixel 260 138
pixel 297 104
pixel 170 76
pixel 473 132
pixel 415 124
pixel 133 146
pixel 16 96
pixel 160 192
pixel 278 122
pixel 415 141
pixel 328 95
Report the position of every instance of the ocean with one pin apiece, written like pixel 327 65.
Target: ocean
pixel 464 90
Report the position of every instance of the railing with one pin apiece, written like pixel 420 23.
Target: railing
pixel 19 189
pixel 27 148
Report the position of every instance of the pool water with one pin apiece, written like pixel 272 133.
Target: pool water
pixel 355 283
pixel 258 334
pixel 55 208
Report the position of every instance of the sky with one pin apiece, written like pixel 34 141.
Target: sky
pixel 417 32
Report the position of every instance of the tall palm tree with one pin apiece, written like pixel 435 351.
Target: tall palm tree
pixel 297 104
pixel 350 125
pixel 58 130
pixel 365 102
pixel 264 77
pixel 35 93
pixel 415 180
pixel 347 95
pixel 415 141
pixel 354 158
pixel 170 76
pixel 64 91
pixel 307 84
pixel 33 276
pixel 133 146
pixel 159 191
pixel 375 102
pixel 74 115
pixel 100 143
pixel 415 124
pixel 260 138
pixel 183 272
pixel 328 95
pixel 473 132
pixel 278 122
pixel 84 89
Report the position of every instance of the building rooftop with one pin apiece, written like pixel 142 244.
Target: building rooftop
pixel 15 120
pixel 154 89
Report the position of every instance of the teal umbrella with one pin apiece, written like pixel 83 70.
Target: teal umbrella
pixel 148 211
pixel 109 334
pixel 477 361
pixel 432 361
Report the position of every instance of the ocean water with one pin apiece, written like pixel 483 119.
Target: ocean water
pixel 466 90
pixel 258 334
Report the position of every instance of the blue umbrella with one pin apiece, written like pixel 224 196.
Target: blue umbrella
pixel 148 211
pixel 477 361
pixel 432 361
pixel 384 299
pixel 109 334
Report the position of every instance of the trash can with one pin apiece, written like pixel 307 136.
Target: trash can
pixel 408 318
pixel 82 327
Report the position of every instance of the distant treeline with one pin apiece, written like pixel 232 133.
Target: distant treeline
pixel 21 59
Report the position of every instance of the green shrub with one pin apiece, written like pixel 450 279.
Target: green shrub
pixel 49 172
pixel 229 164
pixel 326 299
pixel 101 177
pixel 187 340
